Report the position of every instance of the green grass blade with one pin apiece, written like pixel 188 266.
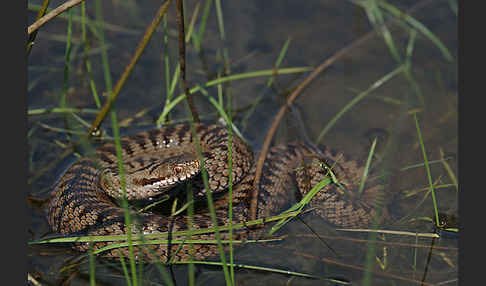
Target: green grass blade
pixel 128 219
pixel 229 125
pixel 86 52
pixel 136 238
pixel 419 26
pixel 190 27
pixel 298 207
pixel 174 81
pixel 62 102
pixel 367 166
pixel 422 164
pixel 358 98
pixel 177 100
pixel 165 52
pixel 92 277
pixel 408 71
pixel 202 25
pixel 393 232
pixel 190 218
pixel 93 25
pixel 281 56
pixel 40 111
pixel 377 20
pixel 116 135
pixel 219 17
pixel 124 268
pixel 427 168
pixel 221 112
pixel 410 45
pixel 104 53
pixel 448 168
pixel 269 72
pixel 211 204
pixel 169 104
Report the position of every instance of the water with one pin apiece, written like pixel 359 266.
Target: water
pixel 255 33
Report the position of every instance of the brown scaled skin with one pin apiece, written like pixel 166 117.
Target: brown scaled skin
pixel 79 206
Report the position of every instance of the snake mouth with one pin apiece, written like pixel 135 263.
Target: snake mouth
pixel 168 181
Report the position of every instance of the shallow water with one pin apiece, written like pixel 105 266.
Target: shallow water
pixel 255 33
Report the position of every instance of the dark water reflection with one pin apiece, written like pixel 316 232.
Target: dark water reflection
pixel 256 31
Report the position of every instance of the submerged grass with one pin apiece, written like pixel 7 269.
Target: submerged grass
pixel 275 270
pixel 278 62
pixel 62 102
pixel 375 10
pixel 448 169
pixel 358 98
pixel 92 84
pixel 367 167
pixel 427 168
pixel 123 78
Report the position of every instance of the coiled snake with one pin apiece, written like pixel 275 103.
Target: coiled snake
pixel 82 201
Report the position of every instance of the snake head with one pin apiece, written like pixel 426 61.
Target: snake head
pixel 148 177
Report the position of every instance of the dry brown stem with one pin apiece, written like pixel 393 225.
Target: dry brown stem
pixel 37 24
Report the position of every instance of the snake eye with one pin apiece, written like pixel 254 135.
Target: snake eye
pixel 178 169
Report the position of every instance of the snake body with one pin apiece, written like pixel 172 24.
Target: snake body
pixel 83 201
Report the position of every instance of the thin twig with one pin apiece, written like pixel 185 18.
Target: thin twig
pixel 141 47
pixel 389 243
pixel 291 98
pixel 182 60
pixel 32 280
pixel 37 24
pixel 40 14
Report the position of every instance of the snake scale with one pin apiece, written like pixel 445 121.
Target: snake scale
pixel 83 200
